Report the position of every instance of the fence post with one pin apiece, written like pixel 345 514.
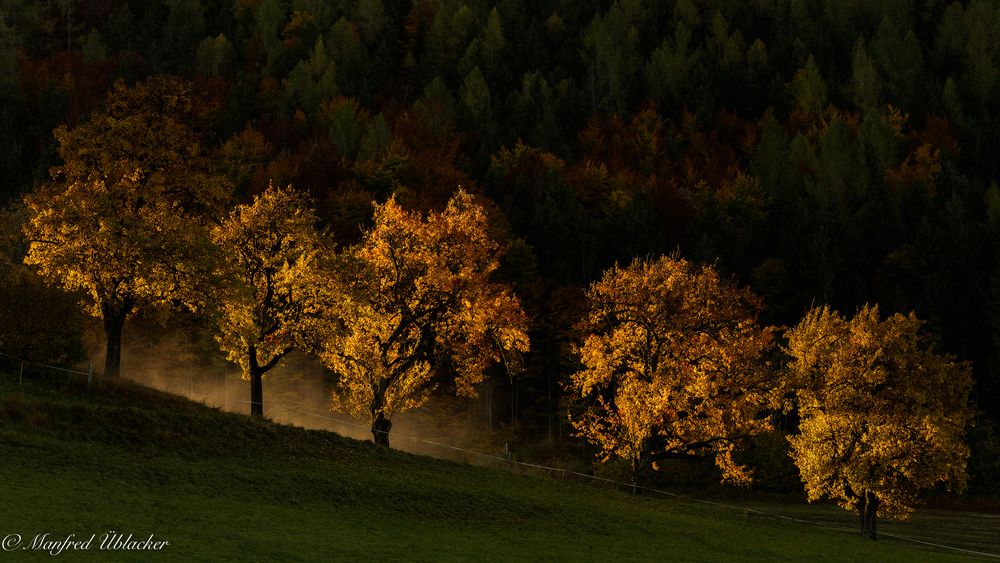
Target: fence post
pixel 90 375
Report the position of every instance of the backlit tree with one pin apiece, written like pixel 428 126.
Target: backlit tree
pixel 419 302
pixel 883 415
pixel 122 219
pixel 271 283
pixel 673 366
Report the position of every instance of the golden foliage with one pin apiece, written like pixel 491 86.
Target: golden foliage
pixel 272 280
pixel 673 364
pixel 420 297
pixel 121 219
pixel 882 413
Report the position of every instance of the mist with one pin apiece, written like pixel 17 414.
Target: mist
pixel 185 361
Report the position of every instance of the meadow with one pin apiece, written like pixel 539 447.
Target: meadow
pixel 222 486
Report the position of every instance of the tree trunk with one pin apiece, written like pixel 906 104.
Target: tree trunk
pixel 380 430
pixel 256 385
pixel 114 326
pixel 872 519
pixel 636 470
pixel 862 513
pixel 868 509
pixel 380 422
pixel 256 394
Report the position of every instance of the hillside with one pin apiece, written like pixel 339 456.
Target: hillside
pixel 224 486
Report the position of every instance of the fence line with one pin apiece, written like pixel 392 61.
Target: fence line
pixel 649 489
pixel 89 374
pixel 563 471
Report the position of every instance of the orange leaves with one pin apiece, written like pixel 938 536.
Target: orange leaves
pixel 881 411
pixel 123 217
pixel 271 279
pixel 673 363
pixel 920 168
pixel 419 297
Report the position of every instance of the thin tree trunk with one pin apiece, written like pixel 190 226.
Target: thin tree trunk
pixel 868 509
pixel 114 327
pixel 872 518
pixel 380 430
pixel 863 512
pixel 256 394
pixel 636 470
pixel 256 385
pixel 380 423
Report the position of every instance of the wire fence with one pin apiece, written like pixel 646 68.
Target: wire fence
pixel 70 372
pixel 509 462
pixel 481 458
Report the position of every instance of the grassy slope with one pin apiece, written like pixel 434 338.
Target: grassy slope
pixel 221 486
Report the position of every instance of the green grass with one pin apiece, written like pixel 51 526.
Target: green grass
pixel 221 486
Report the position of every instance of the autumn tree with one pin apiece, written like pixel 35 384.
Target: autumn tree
pixel 122 218
pixel 271 283
pixel 674 366
pixel 883 414
pixel 420 301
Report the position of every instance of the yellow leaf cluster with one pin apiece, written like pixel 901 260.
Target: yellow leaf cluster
pixel 122 220
pixel 673 364
pixel 882 413
pixel 272 284
pixel 420 297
